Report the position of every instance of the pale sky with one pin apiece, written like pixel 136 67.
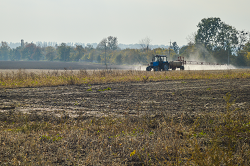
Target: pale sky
pixel 89 21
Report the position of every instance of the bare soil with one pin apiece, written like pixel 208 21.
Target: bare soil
pixel 120 99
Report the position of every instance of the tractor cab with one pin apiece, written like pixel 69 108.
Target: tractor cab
pixel 159 58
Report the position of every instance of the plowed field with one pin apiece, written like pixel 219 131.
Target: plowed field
pixel 173 97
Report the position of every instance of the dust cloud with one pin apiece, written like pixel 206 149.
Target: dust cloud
pixel 209 67
pixel 196 67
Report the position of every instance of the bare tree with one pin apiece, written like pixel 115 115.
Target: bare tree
pixel 145 43
pixel 103 45
pixel 191 38
pixel 112 43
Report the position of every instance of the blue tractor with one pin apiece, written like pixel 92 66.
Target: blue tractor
pixel 160 63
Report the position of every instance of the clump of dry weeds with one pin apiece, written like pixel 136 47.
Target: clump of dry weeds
pixel 219 138
pixel 56 78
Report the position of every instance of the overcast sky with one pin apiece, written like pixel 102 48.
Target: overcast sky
pixel 89 21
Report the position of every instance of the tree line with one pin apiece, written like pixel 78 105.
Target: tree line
pixel 214 41
pixel 107 51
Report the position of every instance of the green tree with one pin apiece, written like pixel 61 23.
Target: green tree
pixel 4 51
pixel 50 53
pixel 219 38
pixel 118 59
pixel 214 33
pixel 91 56
pixel 28 51
pixel 241 59
pixel 37 54
pixel 98 58
pixel 80 52
pixel 11 54
pixel 183 50
pixel 17 53
pixel 175 47
pixel 63 52
pixel 208 31
pixel 243 55
pixel 247 47
pixel 89 48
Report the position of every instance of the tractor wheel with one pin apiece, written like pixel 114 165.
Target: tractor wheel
pixel 174 68
pixel 148 68
pixel 182 67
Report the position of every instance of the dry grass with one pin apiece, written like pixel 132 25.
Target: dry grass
pixel 219 138
pixel 55 78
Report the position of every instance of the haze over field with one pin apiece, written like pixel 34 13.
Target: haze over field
pixel 90 21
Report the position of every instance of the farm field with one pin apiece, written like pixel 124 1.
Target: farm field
pixel 179 121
